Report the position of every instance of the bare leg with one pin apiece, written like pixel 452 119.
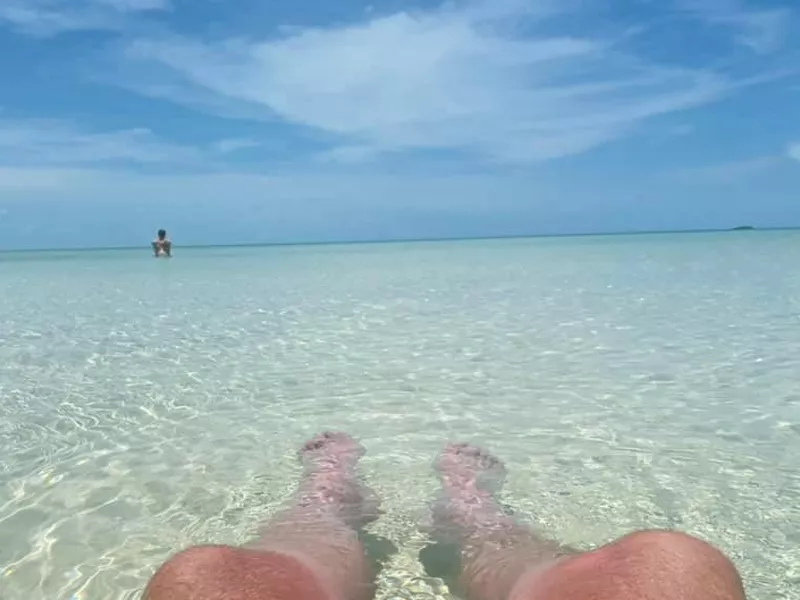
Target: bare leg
pixel 503 560
pixel 310 551
pixel 494 550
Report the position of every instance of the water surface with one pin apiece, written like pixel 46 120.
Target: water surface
pixel 627 382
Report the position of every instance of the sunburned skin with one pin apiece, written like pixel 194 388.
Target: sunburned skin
pixel 311 550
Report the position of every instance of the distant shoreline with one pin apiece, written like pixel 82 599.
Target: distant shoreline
pixel 412 240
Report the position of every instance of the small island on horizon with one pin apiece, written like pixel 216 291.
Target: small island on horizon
pixel 743 228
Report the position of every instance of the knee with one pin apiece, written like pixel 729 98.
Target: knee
pixel 198 559
pixel 659 543
pixel 646 564
pixel 188 570
pixel 677 559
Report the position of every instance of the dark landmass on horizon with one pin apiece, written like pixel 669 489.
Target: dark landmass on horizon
pixel 415 240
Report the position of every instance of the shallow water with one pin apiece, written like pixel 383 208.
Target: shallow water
pixel 627 382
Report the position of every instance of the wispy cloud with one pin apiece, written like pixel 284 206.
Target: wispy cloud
pixel 763 30
pixel 448 79
pixel 50 17
pixel 51 142
pixel 21 179
pixel 730 172
pixel 793 151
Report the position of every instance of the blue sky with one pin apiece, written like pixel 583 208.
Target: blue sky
pixel 302 120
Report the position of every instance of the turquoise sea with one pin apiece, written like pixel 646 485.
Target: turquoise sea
pixel 627 381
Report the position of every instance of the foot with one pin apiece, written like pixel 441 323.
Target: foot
pixel 331 450
pixel 470 477
pixel 466 469
pixel 331 484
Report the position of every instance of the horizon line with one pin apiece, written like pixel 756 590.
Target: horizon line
pixel 741 228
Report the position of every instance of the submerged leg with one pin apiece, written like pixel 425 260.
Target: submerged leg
pixel 503 560
pixel 310 551
pixel 494 550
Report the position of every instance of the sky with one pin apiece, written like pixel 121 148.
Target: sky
pixel 252 121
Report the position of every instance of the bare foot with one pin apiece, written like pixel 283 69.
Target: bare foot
pixel 466 469
pixel 331 484
pixel 470 478
pixel 331 449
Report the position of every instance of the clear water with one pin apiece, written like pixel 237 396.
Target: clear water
pixel 627 382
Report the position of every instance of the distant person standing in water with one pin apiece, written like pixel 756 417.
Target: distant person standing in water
pixel 162 246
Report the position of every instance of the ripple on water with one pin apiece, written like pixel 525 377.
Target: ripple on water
pixel 627 383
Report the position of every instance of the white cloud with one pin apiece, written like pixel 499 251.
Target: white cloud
pixel 761 30
pixel 336 191
pixel 53 206
pixel 50 17
pixel 52 142
pixel 443 80
pixel 793 151
pixel 728 172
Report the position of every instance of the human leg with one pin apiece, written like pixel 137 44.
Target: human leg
pixel 310 551
pixel 500 559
